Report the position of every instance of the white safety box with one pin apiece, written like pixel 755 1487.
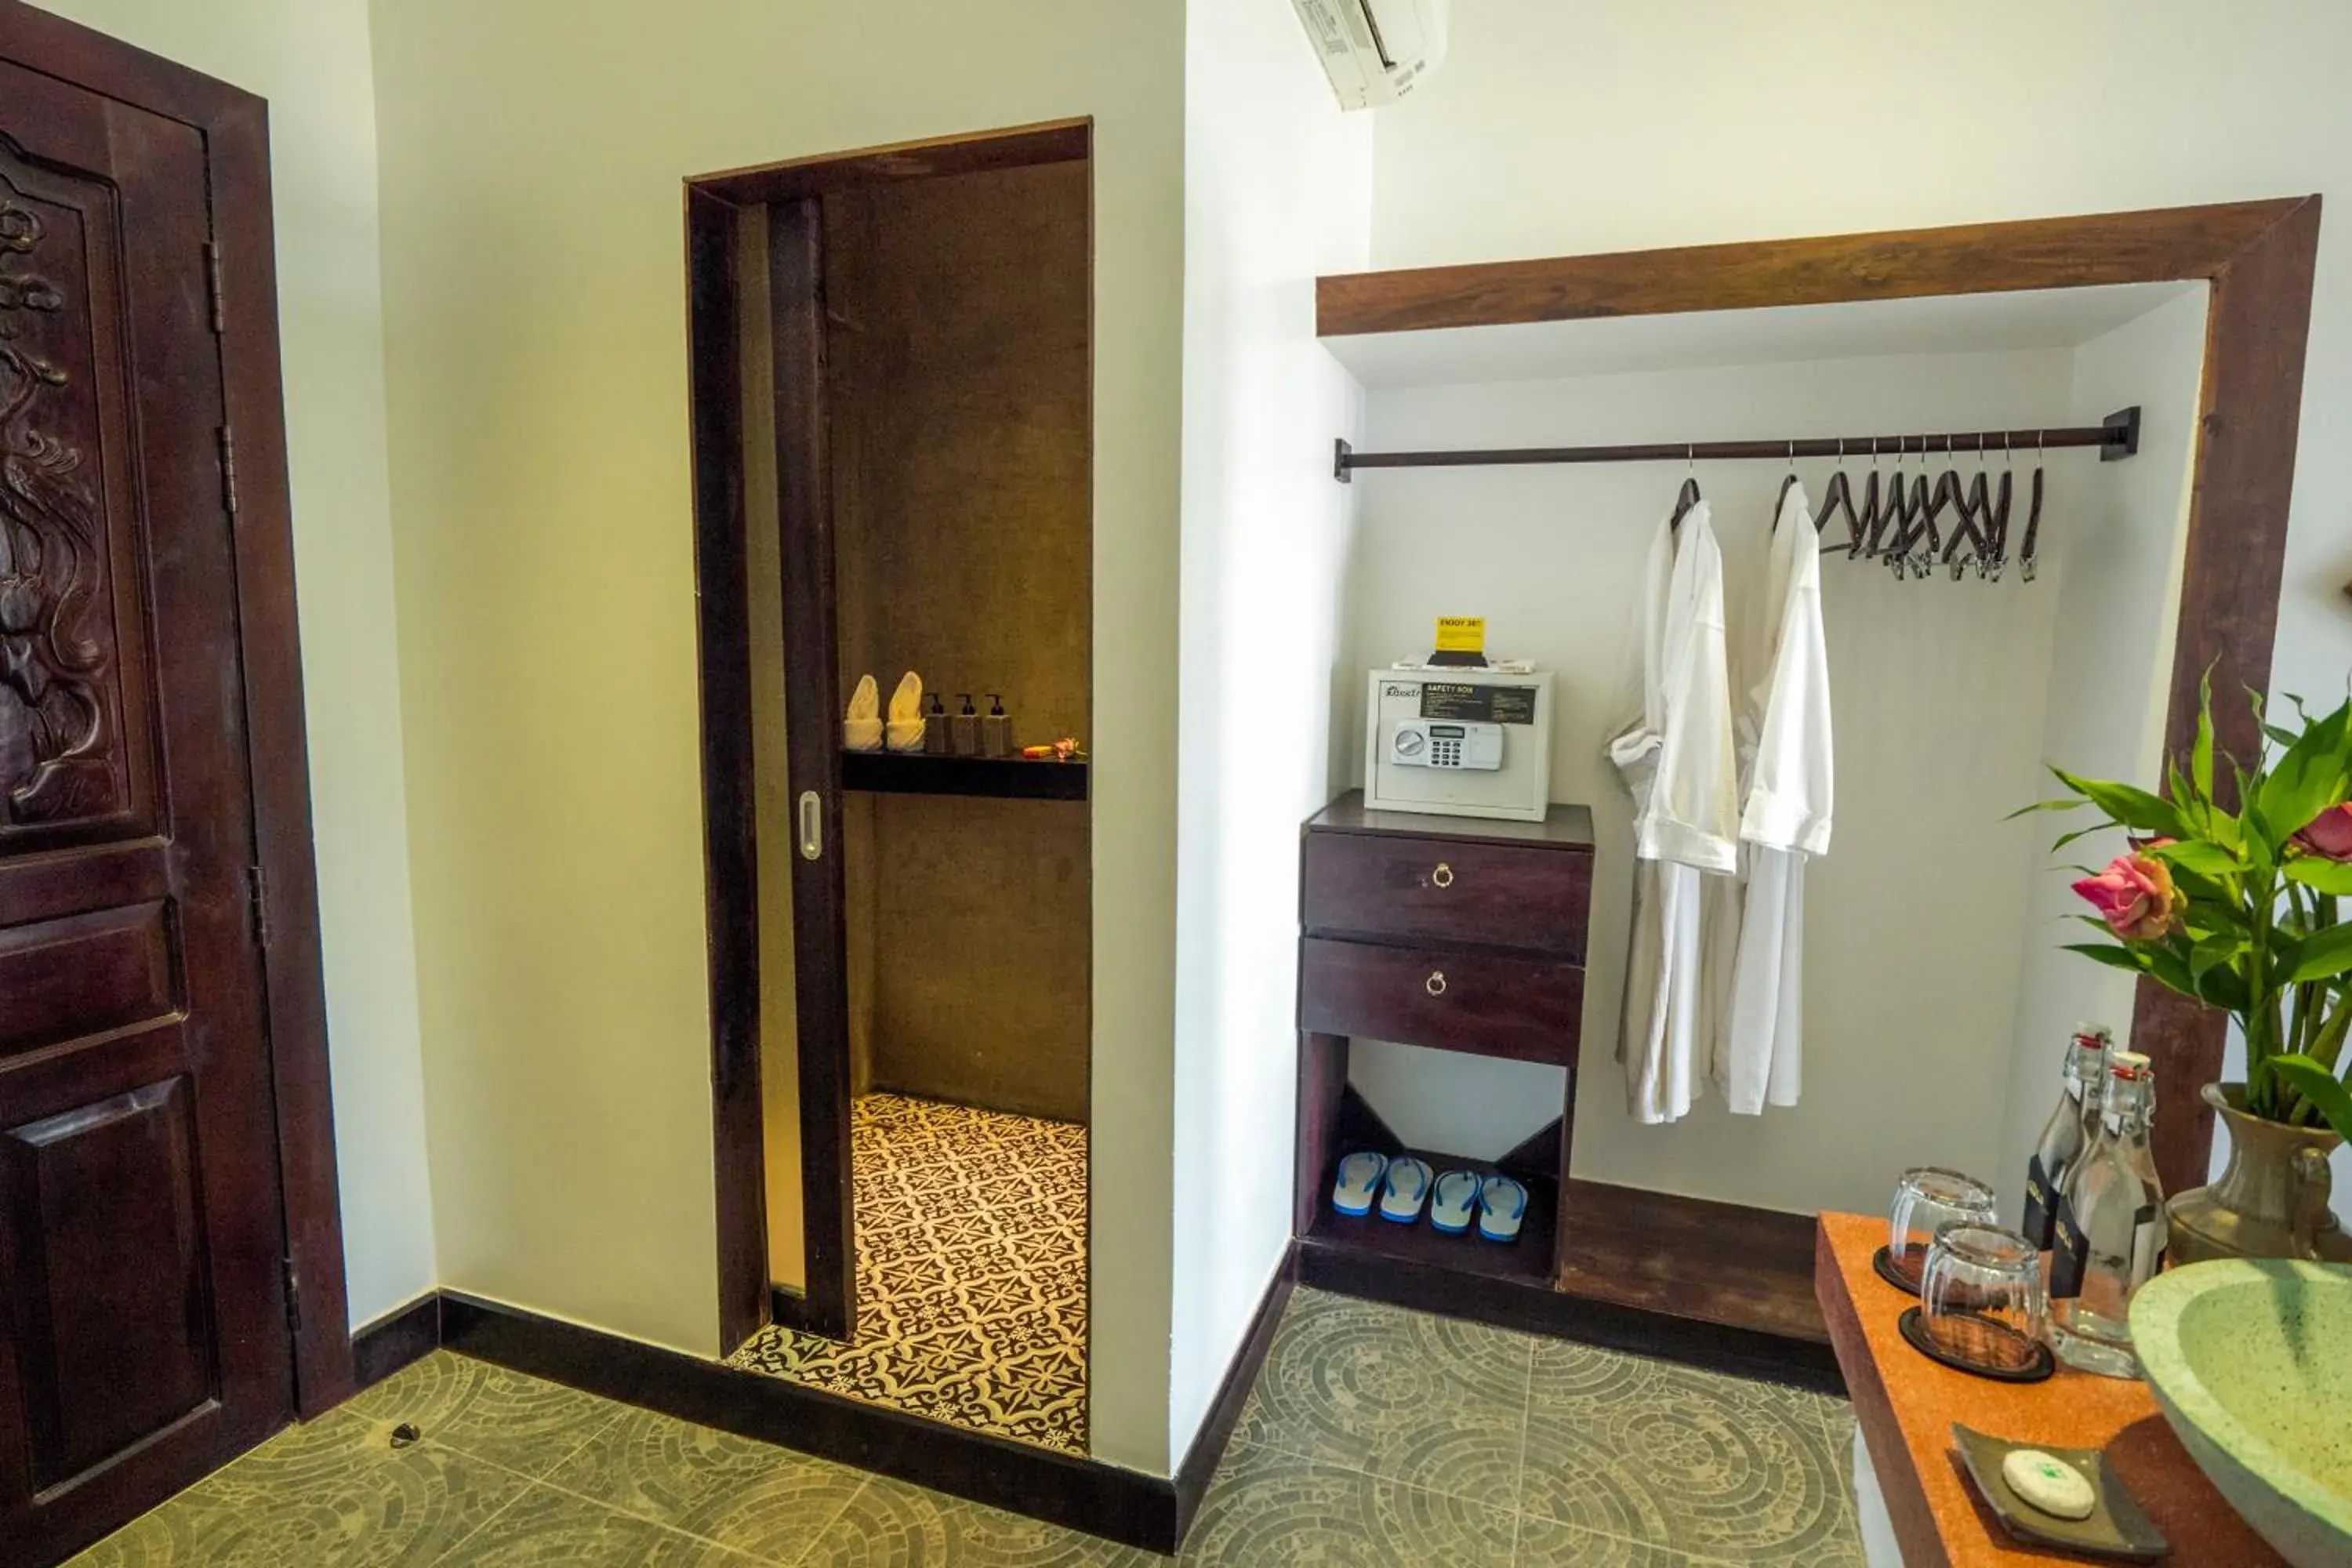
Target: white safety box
pixel 1459 742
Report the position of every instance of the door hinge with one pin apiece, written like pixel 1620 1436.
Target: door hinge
pixel 293 1299
pixel 260 884
pixel 214 286
pixel 228 469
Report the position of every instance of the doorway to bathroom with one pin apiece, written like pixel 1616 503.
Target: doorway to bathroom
pixel 892 399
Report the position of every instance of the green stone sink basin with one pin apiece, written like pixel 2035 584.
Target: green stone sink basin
pixel 2252 1362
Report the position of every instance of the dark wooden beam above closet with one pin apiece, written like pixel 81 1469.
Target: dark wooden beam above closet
pixel 2258 256
pixel 1051 141
pixel 2170 245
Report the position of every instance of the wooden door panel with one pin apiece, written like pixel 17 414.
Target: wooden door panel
pixel 77 742
pixel 84 974
pixel 104 1276
pixel 144 1329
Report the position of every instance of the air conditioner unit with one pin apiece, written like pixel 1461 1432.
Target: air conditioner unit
pixel 1375 51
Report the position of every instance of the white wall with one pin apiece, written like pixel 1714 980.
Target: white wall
pixel 1555 130
pixel 1772 130
pixel 1912 921
pixel 534 272
pixel 1278 189
pixel 310 59
pixel 2117 578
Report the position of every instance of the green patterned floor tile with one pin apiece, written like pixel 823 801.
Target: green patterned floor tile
pixel 1268 1506
pixel 311 1496
pixel 1431 1401
pixel 1547 1543
pixel 551 1529
pixel 1712 1466
pixel 524 1424
pixel 765 1500
pixel 892 1525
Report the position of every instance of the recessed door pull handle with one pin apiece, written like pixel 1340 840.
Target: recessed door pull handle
pixel 812 825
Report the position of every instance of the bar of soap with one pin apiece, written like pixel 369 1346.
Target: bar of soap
pixel 2050 1485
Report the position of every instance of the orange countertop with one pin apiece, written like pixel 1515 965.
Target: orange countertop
pixel 1906 1404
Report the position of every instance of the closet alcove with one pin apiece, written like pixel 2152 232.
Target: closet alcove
pixel 893 392
pixel 1936 998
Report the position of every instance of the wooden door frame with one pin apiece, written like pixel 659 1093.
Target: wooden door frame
pixel 2258 259
pixel 716 204
pixel 235 125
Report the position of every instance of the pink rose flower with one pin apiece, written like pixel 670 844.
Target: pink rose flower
pixel 2329 833
pixel 2135 896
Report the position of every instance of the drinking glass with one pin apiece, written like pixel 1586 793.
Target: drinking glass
pixel 1981 1299
pixel 1926 1200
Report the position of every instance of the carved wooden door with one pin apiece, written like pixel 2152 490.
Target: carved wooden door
pixel 143 1312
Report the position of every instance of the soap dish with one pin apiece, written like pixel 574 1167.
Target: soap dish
pixel 2116 1527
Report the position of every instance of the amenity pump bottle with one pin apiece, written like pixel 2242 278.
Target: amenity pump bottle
pixel 995 729
pixel 963 729
pixel 2109 1238
pixel 2068 1132
pixel 935 728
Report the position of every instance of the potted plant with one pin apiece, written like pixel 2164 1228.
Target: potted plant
pixel 2232 897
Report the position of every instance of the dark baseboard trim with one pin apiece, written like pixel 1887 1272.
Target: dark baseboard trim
pixel 1077 1493
pixel 1201 1460
pixel 1533 1308
pixel 400 1338
pixel 1080 1494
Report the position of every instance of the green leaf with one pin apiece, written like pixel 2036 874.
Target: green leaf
pixel 2330 876
pixel 2108 953
pixel 2214 950
pixel 2200 756
pixel 2323 956
pixel 2170 968
pixel 2127 804
pixel 2225 989
pixel 2309 778
pixel 2329 1045
pixel 2319 1086
pixel 2197 855
pixel 2063 839
pixel 2045 806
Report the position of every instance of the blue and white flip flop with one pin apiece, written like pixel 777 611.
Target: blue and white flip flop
pixel 1502 1204
pixel 1450 1204
pixel 1407 1188
pixel 1360 1178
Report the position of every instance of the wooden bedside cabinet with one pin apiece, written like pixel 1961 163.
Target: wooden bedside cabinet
pixel 1459 933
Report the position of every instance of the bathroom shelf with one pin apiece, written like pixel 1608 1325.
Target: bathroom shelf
pixel 1005 778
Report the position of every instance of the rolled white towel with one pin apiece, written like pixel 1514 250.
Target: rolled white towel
pixel 862 730
pixel 904 730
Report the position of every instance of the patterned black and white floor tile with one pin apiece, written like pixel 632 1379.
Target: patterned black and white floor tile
pixel 972 1273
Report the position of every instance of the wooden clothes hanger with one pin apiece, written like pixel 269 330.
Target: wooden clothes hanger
pixel 2028 558
pixel 1926 505
pixel 1689 496
pixel 1893 512
pixel 1838 497
pixel 1976 512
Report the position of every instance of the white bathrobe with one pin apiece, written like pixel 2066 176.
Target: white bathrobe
pixel 1677 760
pixel 1784 741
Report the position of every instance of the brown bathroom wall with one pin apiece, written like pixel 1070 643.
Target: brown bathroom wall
pixel 958 365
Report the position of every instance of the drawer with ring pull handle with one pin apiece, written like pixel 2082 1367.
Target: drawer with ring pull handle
pixel 1494 895
pixel 1526 1008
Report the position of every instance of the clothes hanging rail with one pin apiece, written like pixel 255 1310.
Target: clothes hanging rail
pixel 2116 436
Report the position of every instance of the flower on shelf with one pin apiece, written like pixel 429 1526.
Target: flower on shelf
pixel 2228 891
